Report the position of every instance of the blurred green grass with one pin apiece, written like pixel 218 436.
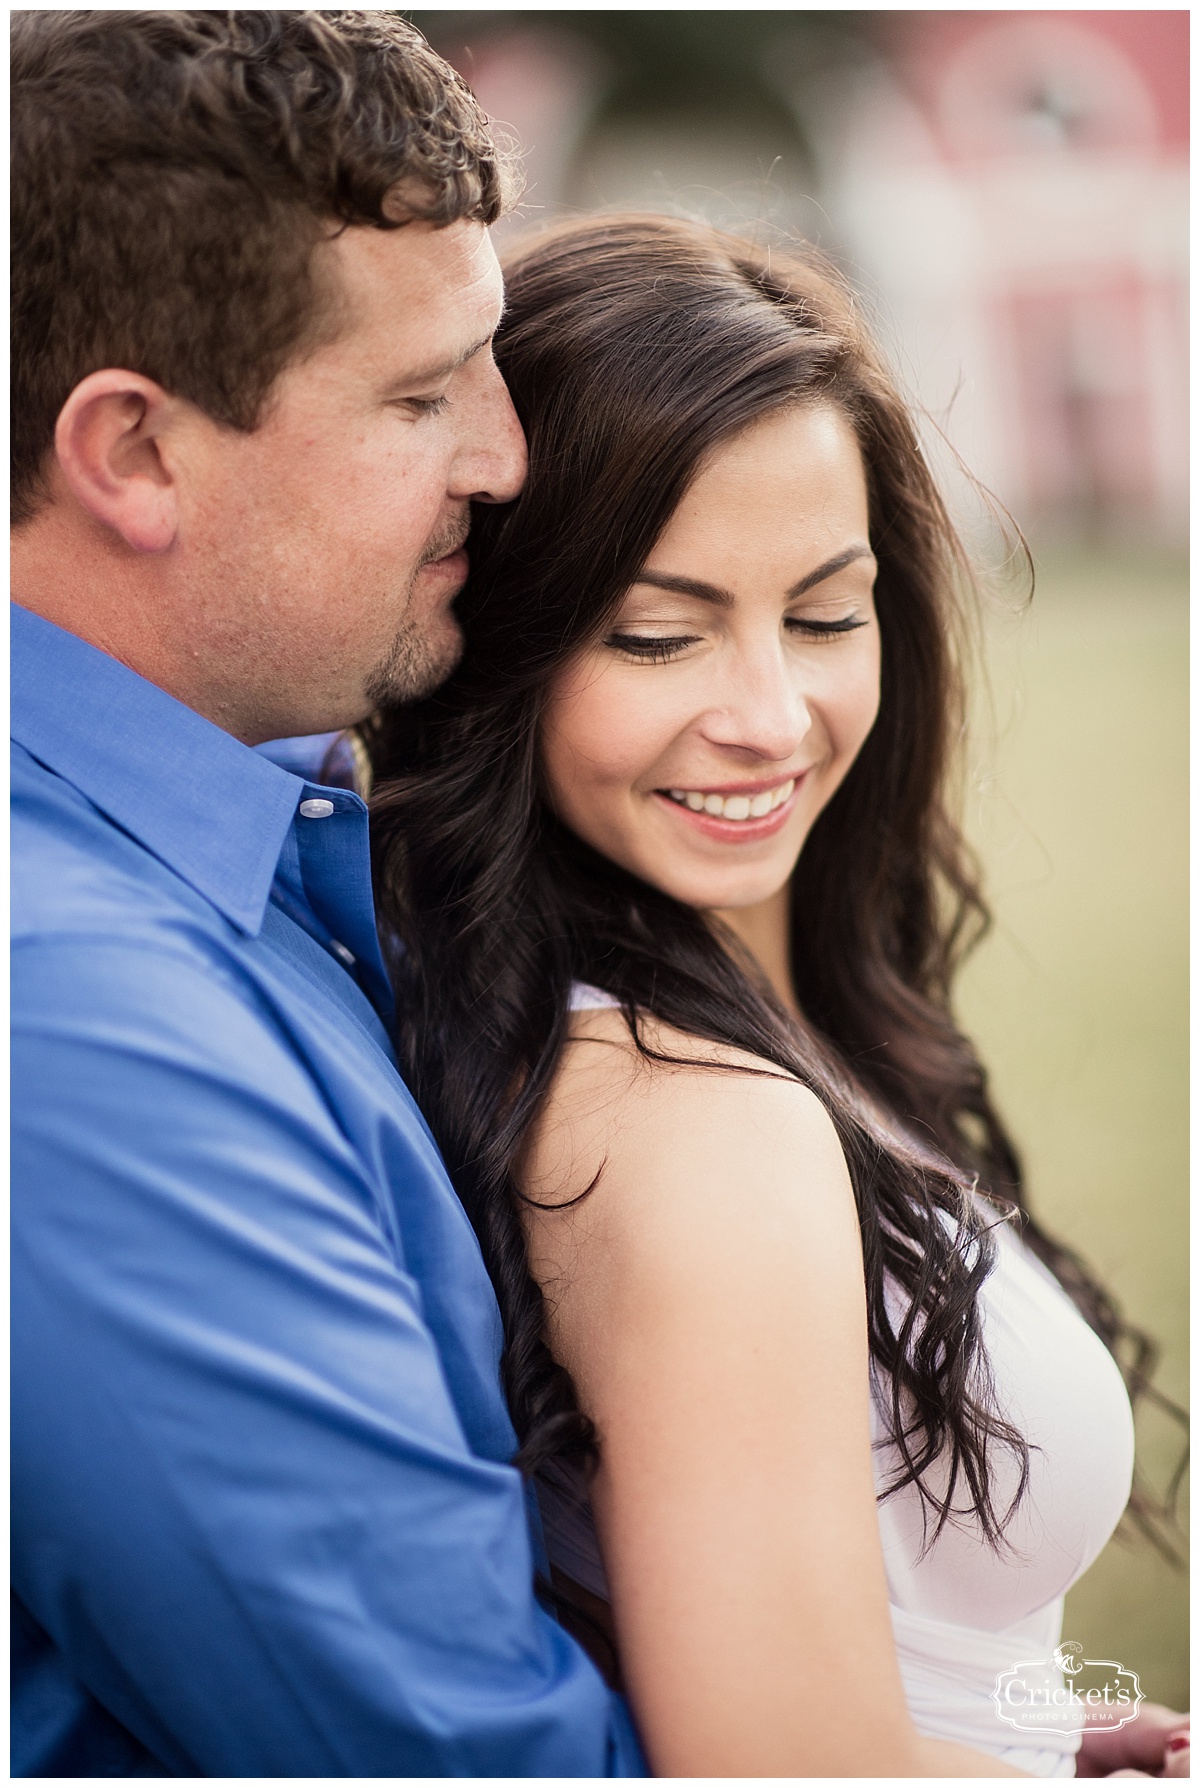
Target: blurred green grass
pixel 1078 998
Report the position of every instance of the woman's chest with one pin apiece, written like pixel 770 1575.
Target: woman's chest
pixel 1056 1382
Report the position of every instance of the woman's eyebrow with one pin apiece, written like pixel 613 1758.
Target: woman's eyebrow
pixel 694 586
pixel 687 586
pixel 829 568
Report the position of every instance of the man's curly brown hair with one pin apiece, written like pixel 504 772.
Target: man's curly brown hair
pixel 172 173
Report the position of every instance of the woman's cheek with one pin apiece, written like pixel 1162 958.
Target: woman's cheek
pixel 590 758
pixel 858 709
pixel 626 729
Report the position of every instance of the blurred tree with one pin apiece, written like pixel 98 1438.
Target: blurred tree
pixel 718 63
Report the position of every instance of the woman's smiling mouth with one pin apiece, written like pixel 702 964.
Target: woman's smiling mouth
pixel 742 805
pixel 734 815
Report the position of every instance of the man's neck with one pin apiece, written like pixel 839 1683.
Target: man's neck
pixel 76 574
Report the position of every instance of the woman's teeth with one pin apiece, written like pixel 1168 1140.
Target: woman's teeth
pixel 734 807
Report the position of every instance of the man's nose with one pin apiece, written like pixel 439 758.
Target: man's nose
pixel 491 465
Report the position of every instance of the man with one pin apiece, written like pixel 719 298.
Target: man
pixel 264 1518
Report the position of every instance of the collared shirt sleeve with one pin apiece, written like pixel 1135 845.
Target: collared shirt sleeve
pixel 246 1511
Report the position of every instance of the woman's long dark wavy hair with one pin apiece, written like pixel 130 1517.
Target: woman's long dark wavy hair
pixel 633 346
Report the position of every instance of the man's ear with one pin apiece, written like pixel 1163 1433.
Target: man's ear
pixel 110 445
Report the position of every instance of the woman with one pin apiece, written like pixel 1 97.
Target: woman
pixel 819 1439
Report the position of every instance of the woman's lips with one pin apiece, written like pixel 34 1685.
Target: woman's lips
pixel 726 831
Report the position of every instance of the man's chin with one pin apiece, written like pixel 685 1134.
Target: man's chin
pixel 416 665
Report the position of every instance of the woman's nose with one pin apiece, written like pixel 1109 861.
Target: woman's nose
pixel 762 710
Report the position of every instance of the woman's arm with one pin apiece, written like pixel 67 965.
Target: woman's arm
pixel 708 1298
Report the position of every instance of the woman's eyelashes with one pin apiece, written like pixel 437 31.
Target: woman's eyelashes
pixel 824 629
pixel 650 649
pixel 660 648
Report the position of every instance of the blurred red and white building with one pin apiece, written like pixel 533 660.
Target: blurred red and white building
pixel 1013 187
pixel 1007 189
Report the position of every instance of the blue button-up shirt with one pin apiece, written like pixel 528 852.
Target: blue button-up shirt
pixel 264 1519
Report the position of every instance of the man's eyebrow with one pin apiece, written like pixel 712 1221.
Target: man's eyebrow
pixel 441 369
pixel 694 586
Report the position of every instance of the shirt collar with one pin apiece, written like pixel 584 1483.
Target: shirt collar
pixel 206 805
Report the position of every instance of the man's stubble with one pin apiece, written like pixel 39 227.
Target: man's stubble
pixel 426 649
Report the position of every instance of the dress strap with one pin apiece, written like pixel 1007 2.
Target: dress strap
pixel 585 998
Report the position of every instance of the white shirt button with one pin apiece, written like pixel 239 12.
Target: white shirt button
pixel 342 954
pixel 316 809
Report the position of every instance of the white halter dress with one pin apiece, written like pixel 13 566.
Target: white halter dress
pixel 964 1613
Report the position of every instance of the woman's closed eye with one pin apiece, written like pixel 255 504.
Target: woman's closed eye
pixel 814 629
pixel 651 648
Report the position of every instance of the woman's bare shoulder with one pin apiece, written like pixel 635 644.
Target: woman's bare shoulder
pixel 601 1048
pixel 670 1135
pixel 685 1211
